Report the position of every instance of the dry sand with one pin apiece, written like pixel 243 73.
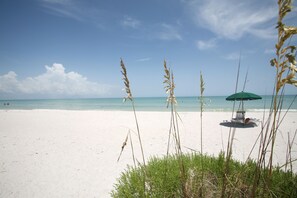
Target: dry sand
pixel 57 153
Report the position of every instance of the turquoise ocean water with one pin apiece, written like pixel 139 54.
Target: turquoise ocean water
pixel 212 103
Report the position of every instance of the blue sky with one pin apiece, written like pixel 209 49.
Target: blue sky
pixel 72 48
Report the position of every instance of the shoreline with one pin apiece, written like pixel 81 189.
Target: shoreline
pixel 66 153
pixel 155 104
pixel 152 111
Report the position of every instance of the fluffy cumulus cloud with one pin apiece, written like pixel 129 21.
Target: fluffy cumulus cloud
pixel 232 19
pixel 8 82
pixel 55 82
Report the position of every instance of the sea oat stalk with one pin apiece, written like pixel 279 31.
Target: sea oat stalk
pixel 201 99
pixel 130 97
pixel 123 146
pixel 169 86
pixel 285 65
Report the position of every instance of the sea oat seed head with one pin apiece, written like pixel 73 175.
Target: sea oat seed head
pixel 126 82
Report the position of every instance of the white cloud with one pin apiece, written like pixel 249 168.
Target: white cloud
pixel 167 32
pixel 266 33
pixel 77 10
pixel 233 56
pixel 130 22
pixel 63 8
pixel 143 59
pixel 62 2
pixel 55 82
pixel 239 54
pixel 8 82
pixel 158 31
pixel 205 45
pixel 232 19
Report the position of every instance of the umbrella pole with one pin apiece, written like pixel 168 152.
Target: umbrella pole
pixel 241 105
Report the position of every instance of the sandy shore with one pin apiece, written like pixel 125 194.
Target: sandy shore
pixel 57 153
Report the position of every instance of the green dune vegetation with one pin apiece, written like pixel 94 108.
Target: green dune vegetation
pixel 163 179
pixel 198 175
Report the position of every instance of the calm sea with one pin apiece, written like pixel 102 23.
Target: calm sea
pixel 212 103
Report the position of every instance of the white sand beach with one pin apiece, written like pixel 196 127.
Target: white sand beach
pixel 59 153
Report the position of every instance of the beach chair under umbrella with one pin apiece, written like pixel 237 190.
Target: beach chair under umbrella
pixel 242 96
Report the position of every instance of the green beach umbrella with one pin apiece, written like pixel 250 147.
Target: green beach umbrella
pixel 243 96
